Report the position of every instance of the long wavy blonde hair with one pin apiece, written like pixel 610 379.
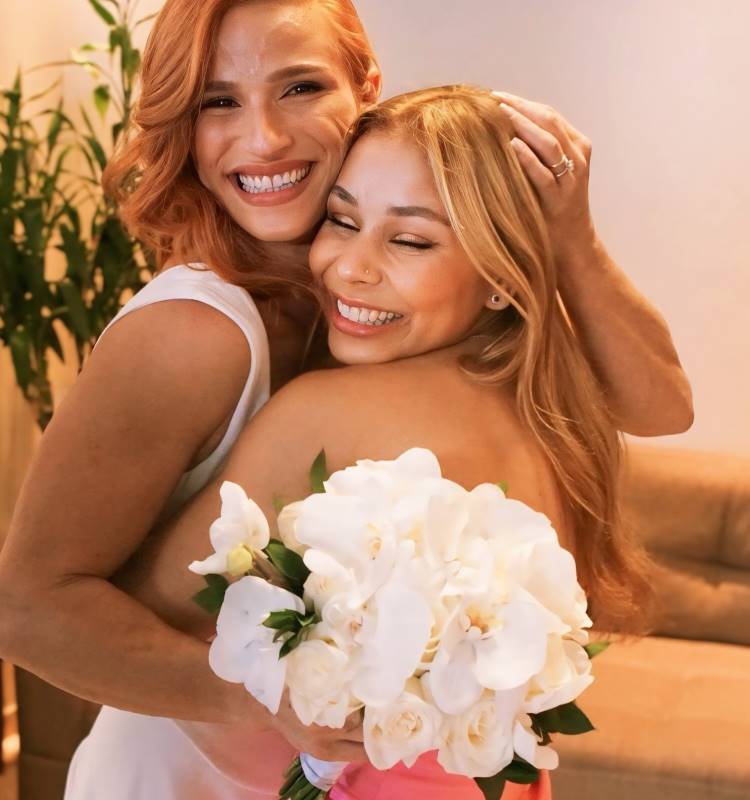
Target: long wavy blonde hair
pixel 152 176
pixel 531 346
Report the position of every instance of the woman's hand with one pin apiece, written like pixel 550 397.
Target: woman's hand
pixel 329 744
pixel 544 142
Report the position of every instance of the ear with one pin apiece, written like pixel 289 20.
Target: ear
pixel 372 87
pixel 497 302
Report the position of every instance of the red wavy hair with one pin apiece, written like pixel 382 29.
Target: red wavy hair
pixel 152 176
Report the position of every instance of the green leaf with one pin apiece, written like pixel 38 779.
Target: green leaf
pixel 8 172
pixel 318 473
pixel 567 719
pixel 492 788
pixel 289 564
pixel 211 598
pixel 102 12
pixel 594 648
pixel 520 771
pixel 20 347
pixel 101 99
pixel 77 313
pixel 284 620
pixel 278 504
pixel 55 126
pixel 503 486
pixel 97 151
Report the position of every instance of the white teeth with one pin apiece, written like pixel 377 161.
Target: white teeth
pixel 366 316
pixel 259 184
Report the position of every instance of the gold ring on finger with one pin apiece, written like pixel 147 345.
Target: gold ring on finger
pixel 563 166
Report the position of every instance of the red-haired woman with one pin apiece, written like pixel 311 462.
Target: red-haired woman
pixel 239 134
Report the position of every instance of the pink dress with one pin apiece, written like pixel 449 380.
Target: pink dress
pixel 426 780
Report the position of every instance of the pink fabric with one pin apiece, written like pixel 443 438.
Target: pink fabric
pixel 426 780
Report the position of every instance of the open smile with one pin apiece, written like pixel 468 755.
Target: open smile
pixel 274 184
pixel 357 319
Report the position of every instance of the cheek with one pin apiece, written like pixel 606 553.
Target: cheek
pixel 322 252
pixel 335 116
pixel 206 146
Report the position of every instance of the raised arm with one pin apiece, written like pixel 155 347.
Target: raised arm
pixel 156 391
pixel 625 337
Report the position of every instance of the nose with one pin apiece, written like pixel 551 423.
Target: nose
pixel 264 133
pixel 355 263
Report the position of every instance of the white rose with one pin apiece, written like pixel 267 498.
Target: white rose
pixel 566 673
pixel 402 730
pixel 237 536
pixel 318 680
pixel 286 523
pixel 243 650
pixel 479 743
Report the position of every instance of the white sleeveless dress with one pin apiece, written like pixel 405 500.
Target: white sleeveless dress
pixel 136 757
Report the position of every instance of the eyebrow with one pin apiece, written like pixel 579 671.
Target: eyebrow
pixel 284 74
pixel 395 211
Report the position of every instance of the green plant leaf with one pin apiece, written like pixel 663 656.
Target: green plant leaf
pixel 503 486
pixel 520 771
pixel 289 564
pixel 492 788
pixel 594 648
pixel 77 313
pixel 318 473
pixel 211 598
pixel 101 99
pixel 567 719
pixel 103 12
pixel 8 173
pixel 20 351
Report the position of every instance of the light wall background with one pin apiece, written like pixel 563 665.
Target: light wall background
pixel 659 87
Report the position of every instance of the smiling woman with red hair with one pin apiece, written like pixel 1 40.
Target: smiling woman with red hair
pixel 237 138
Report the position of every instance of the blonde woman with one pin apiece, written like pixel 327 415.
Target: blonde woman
pixel 437 280
pixel 234 93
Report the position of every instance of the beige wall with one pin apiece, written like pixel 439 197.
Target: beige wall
pixel 660 87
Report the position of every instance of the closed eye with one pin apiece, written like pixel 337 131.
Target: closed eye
pixel 341 224
pixel 416 245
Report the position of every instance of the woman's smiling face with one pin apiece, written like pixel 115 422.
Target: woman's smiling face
pixel 269 139
pixel 396 281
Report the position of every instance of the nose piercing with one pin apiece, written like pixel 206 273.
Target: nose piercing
pixel 367 271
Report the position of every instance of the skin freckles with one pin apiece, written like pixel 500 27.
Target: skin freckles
pixel 278 98
pixel 387 244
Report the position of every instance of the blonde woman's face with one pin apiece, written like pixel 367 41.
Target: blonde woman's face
pixel 269 138
pixel 396 281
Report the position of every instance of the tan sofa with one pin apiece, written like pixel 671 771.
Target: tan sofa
pixel 672 711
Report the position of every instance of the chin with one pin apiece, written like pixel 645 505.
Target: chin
pixel 353 353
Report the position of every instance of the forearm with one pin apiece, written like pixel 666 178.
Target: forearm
pixel 92 640
pixel 626 341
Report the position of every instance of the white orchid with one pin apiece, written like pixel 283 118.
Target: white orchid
pixel 238 536
pixel 243 650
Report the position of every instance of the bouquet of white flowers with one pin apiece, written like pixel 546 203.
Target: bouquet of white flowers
pixel 452 618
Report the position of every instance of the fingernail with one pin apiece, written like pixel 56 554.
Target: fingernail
pixel 506 108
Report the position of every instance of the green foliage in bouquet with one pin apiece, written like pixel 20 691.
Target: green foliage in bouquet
pixel 40 211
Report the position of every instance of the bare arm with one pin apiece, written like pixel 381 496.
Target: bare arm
pixel 625 338
pixel 151 397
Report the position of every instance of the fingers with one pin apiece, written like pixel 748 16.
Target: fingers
pixel 540 176
pixel 546 146
pixel 542 115
pixel 342 750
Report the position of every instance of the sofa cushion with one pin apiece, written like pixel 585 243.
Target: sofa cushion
pixel 672 722
pixel 692 511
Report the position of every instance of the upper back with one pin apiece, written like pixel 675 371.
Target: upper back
pixel 378 412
